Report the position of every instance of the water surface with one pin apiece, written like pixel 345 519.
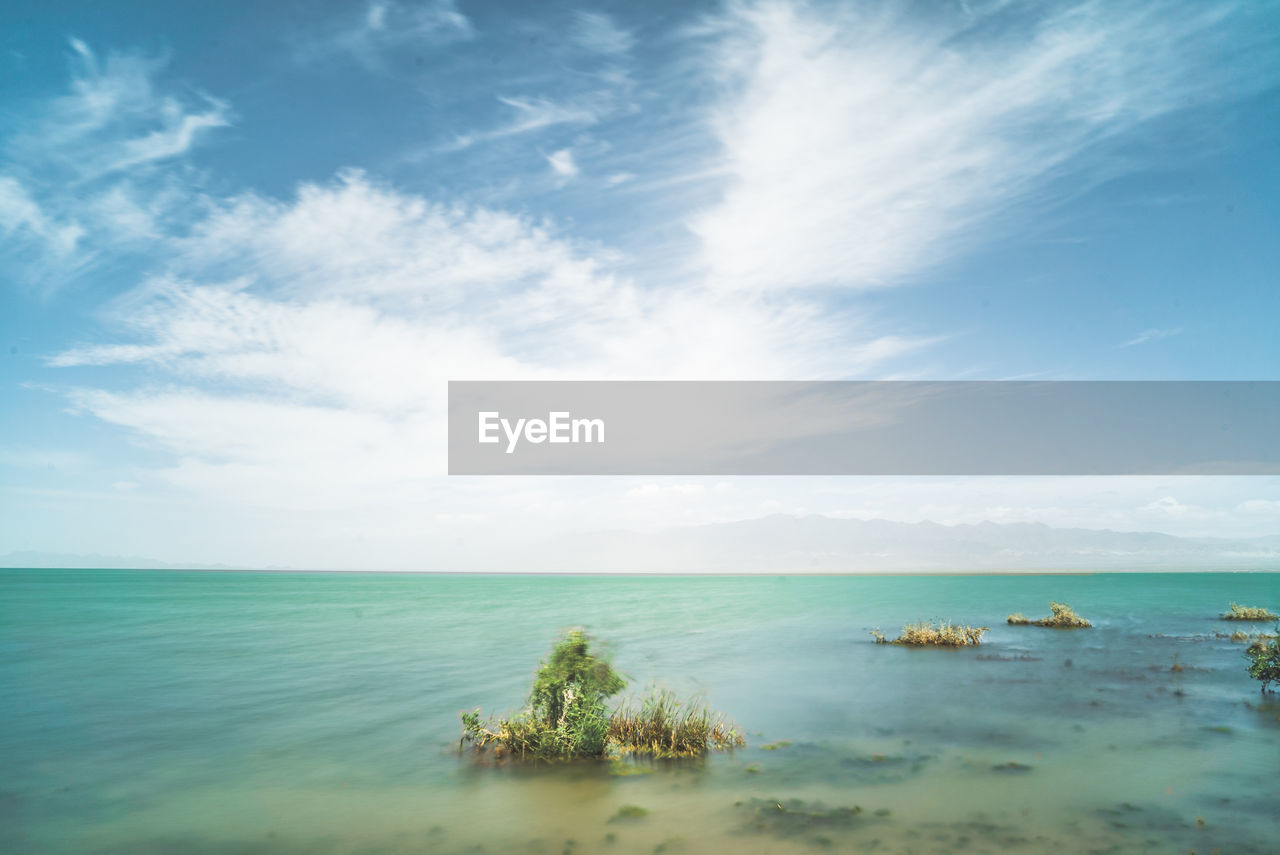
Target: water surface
pixel 156 712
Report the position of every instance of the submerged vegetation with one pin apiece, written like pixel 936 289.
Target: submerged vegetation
pixel 567 717
pixel 925 634
pixel 793 817
pixel 1239 612
pixel 1062 617
pixel 1264 661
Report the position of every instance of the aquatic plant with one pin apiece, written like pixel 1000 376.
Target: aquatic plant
pixel 925 634
pixel 1264 661
pixel 662 725
pixel 629 812
pixel 1239 612
pixel 566 716
pixel 1062 617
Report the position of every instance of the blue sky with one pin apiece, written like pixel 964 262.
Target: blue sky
pixel 244 246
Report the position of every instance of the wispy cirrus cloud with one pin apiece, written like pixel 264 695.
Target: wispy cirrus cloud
pixel 1151 335
pixel 600 33
pixel 368 35
pixel 114 118
pixel 535 114
pixel 95 170
pixel 861 144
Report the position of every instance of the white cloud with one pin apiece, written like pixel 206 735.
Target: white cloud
pixel 861 146
pixel 330 325
pixel 1168 506
pixel 1265 507
pixel 1151 335
pixel 20 215
pixel 563 164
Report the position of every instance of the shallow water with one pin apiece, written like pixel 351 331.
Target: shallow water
pixel 158 712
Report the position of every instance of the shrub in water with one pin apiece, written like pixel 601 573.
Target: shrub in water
pixel 1238 612
pixel 566 716
pixel 1264 661
pixel 925 634
pixel 1062 617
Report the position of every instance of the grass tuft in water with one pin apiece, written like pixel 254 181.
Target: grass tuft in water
pixel 926 634
pixel 661 725
pixel 1239 612
pixel 566 717
pixel 1062 617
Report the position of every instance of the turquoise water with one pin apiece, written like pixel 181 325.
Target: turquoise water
pixel 158 712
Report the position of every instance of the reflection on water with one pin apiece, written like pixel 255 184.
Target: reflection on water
pixel 282 713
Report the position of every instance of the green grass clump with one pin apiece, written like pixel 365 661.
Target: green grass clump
pixel 1239 612
pixel 925 634
pixel 662 725
pixel 1062 617
pixel 1264 661
pixel 567 717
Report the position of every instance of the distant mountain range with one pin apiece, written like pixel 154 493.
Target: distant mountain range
pixel 74 561
pixel 819 544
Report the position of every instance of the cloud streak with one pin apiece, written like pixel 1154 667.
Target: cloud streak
pixel 382 28
pixel 1152 335
pixel 861 146
pixel 93 173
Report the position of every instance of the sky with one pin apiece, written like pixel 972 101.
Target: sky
pixel 244 246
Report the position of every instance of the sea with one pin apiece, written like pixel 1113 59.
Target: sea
pixel 228 713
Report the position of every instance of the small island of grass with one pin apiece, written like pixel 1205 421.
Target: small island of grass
pixel 1239 612
pixel 1062 617
pixel 566 716
pixel 926 634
